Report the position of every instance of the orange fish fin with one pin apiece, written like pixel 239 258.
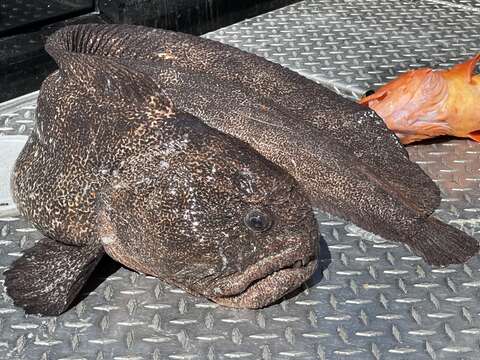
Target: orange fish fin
pixel 475 135
pixel 466 69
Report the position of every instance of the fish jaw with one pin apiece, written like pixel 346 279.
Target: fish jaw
pixel 264 282
pixel 423 103
pixel 259 285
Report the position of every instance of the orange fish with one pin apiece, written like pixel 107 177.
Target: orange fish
pixel 424 103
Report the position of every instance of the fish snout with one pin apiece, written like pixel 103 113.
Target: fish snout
pixel 266 281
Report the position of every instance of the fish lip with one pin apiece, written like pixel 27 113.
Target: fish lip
pixel 266 290
pixel 265 281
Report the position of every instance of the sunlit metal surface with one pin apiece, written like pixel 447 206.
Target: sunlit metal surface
pixel 375 300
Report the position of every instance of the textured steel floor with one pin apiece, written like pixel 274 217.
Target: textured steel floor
pixel 375 300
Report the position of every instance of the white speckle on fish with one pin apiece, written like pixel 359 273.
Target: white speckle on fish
pixel 164 165
pixel 107 239
pixel 223 257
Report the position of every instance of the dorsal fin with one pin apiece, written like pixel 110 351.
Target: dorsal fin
pixel 110 79
pixel 464 70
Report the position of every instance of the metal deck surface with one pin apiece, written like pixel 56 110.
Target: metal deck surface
pixel 375 300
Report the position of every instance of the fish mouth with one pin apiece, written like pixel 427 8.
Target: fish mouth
pixel 264 282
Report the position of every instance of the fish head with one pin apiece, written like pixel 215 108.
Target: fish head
pixel 209 214
pixel 412 105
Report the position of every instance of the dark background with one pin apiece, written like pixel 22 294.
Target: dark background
pixel 25 24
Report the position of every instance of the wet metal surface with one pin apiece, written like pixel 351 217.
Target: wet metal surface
pixel 375 300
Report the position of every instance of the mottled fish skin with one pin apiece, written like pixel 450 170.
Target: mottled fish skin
pixel 177 60
pixel 351 166
pixel 112 164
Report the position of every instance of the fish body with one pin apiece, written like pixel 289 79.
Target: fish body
pixel 113 167
pixel 313 133
pixel 426 103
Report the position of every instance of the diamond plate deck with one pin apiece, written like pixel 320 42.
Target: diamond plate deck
pixel 471 5
pixel 375 300
pixel 353 45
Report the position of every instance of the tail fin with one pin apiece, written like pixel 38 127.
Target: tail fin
pixel 442 244
pixel 48 277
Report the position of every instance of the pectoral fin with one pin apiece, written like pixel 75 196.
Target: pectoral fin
pixel 48 277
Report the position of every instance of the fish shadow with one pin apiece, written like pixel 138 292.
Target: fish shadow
pixel 432 141
pixel 105 268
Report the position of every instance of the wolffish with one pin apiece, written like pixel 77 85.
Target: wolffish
pixel 349 163
pixel 113 167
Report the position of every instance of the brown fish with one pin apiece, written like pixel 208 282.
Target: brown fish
pixel 350 164
pixel 113 167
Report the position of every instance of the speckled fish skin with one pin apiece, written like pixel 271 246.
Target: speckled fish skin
pixel 113 167
pixel 350 164
pixel 257 90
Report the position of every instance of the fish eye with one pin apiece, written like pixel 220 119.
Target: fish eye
pixel 257 220
pixel 369 92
